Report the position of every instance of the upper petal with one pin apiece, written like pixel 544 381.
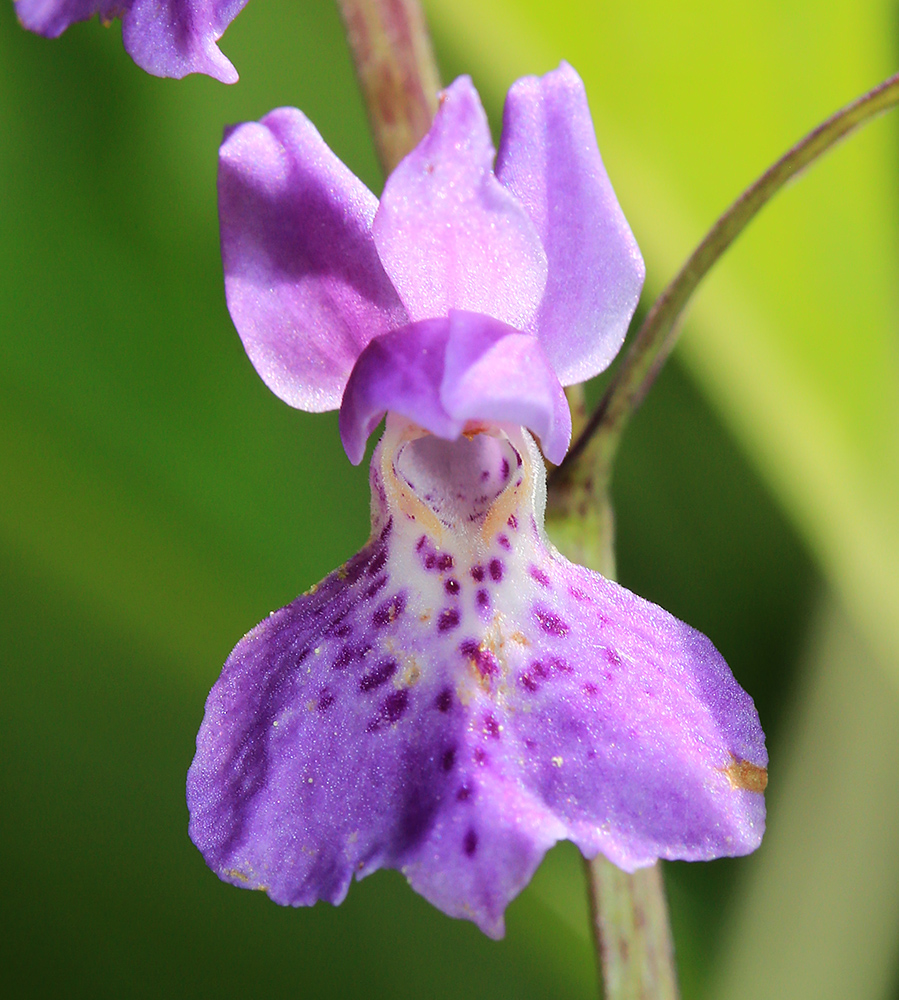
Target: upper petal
pixel 164 37
pixel 548 158
pixel 449 235
pixel 303 281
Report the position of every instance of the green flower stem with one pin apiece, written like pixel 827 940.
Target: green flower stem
pixel 397 72
pixel 631 930
pixel 629 913
pixel 598 442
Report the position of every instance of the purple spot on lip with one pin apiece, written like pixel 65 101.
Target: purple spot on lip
pixel 325 700
pixel 449 759
pixel 480 756
pixel 377 564
pixel 551 623
pixel 448 620
pixel 470 843
pixel 347 654
pixel 483 659
pixel 496 570
pixel 444 562
pixel 452 586
pixel 539 576
pixel 483 599
pixel 392 709
pixel 491 727
pixel 354 569
pixel 477 573
pixel 444 700
pixel 463 793
pixel 543 670
pixel 512 522
pixel 395 704
pixel 421 543
pixel 504 542
pixel 430 560
pixel 389 611
pixel 382 673
pixel 504 470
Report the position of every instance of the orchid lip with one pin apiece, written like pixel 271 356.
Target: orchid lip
pixel 458 697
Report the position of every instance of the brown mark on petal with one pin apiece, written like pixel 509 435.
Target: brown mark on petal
pixel 744 774
pixel 411 674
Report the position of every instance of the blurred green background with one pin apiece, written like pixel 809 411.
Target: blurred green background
pixel 156 500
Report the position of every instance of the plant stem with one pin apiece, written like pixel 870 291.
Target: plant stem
pixel 629 913
pixel 396 70
pixel 631 931
pixel 598 442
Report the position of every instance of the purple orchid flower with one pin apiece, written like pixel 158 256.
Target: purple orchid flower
pixel 457 697
pixel 164 37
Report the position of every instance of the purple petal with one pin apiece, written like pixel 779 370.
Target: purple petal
pixel 442 374
pixel 164 37
pixel 548 159
pixel 399 372
pixel 303 281
pixel 628 714
pixel 177 37
pixel 449 235
pixel 50 18
pixel 458 697
pixel 498 375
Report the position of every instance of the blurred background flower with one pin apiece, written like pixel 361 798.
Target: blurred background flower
pixel 147 476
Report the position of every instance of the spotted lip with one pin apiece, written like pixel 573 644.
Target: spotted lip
pixel 457 697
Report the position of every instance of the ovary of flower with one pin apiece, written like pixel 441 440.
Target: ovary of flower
pixel 463 695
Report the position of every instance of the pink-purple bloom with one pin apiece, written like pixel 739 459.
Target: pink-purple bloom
pixel 458 696
pixel 164 37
